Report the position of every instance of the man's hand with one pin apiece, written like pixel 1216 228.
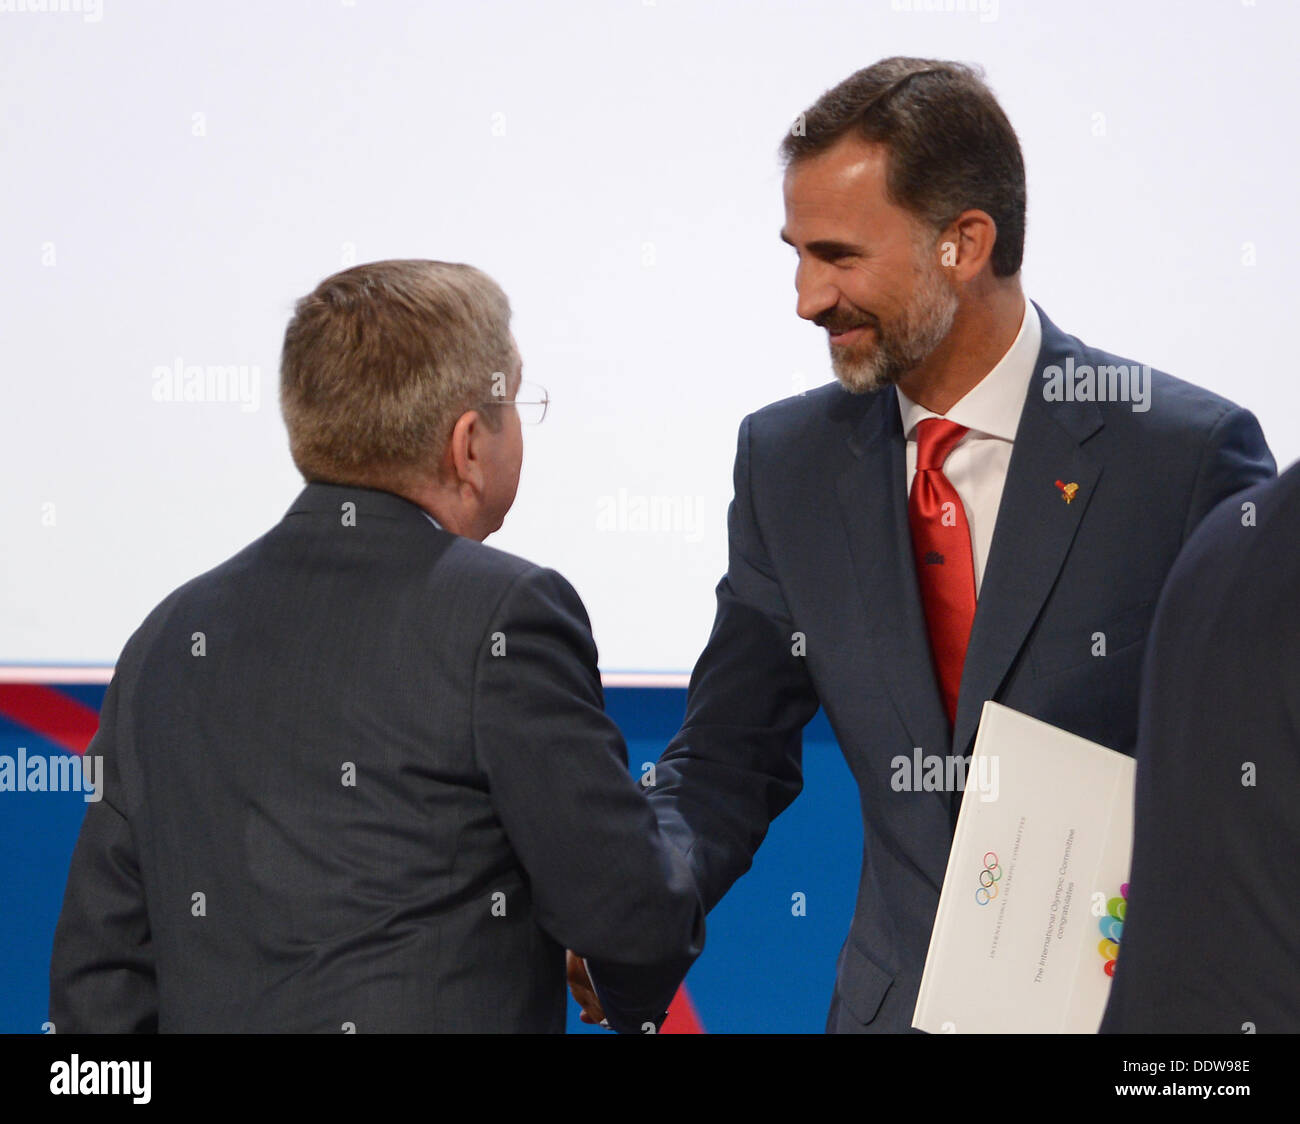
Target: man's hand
pixel 583 992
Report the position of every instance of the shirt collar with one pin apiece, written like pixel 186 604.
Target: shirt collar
pixel 993 404
pixel 432 520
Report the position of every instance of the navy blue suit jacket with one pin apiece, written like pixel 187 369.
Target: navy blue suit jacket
pixel 1211 943
pixel 819 545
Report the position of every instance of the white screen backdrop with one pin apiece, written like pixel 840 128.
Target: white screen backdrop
pixel 177 174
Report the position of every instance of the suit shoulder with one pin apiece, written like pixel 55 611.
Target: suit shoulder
pixel 487 564
pixel 195 589
pixel 472 574
pixel 1271 530
pixel 1234 577
pixel 497 575
pixel 815 414
pixel 1156 401
pixel 1186 404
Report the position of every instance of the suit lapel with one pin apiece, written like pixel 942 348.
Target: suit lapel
pixel 1032 536
pixel 872 492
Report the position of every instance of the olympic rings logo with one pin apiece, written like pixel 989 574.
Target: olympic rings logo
pixel 989 878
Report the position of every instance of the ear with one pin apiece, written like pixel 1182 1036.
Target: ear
pixel 462 460
pixel 967 245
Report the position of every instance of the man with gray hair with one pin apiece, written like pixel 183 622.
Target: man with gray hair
pixel 359 777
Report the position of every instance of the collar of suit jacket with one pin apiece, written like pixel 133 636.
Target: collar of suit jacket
pixel 317 498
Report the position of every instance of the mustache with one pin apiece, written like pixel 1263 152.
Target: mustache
pixel 839 323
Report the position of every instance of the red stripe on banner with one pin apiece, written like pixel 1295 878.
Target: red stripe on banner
pixel 50 713
pixel 682 1018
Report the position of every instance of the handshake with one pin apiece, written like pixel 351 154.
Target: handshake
pixel 629 948
pixel 582 991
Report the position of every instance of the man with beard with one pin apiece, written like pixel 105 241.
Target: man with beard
pixel 984 507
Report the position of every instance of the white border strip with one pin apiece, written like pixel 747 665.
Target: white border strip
pixel 50 674
pixel 645 679
pixel 63 674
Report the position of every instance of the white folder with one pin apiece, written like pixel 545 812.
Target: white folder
pixel 1030 919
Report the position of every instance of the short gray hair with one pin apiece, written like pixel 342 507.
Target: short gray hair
pixel 381 359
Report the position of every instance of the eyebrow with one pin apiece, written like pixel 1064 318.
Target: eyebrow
pixel 825 247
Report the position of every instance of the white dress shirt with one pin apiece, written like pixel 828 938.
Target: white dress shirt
pixel 977 465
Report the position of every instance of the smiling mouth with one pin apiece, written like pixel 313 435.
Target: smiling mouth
pixel 844 335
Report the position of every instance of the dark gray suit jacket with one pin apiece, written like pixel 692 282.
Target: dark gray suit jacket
pixel 1211 940
pixel 359 776
pixel 820 545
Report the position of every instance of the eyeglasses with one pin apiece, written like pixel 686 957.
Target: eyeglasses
pixel 530 401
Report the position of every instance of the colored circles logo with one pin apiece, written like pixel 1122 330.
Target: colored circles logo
pixel 1112 927
pixel 989 878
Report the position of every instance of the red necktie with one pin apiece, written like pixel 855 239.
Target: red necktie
pixel 945 570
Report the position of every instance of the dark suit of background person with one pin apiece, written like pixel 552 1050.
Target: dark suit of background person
pixel 819 544
pixel 1211 942
pixel 492 821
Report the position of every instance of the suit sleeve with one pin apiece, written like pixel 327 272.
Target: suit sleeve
pixel 736 763
pixel 1235 457
pixel 605 882
pixel 102 971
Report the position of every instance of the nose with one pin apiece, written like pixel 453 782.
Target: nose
pixel 816 291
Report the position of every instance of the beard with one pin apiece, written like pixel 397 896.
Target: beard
pixel 899 347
